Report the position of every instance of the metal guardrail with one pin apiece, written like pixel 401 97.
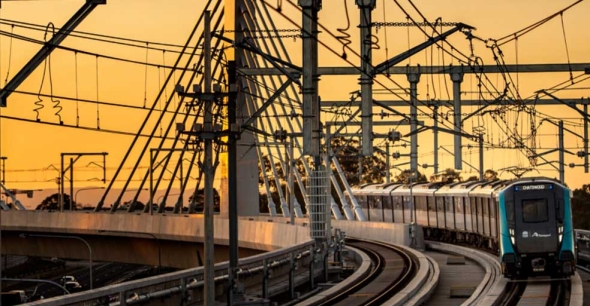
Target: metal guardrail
pixel 181 282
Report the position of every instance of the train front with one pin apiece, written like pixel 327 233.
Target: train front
pixel 536 230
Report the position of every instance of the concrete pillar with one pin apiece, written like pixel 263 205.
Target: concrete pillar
pixel 457 78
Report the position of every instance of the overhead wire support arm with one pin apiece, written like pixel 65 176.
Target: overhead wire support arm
pixel 247 45
pixel 46 50
pixel 381 68
pixel 584 115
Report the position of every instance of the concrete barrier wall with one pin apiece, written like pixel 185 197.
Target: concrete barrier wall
pixel 397 233
pixel 260 235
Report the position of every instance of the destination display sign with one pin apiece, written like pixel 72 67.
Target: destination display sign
pixel 533 187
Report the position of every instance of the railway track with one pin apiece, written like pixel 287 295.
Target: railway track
pixel 553 292
pixel 392 269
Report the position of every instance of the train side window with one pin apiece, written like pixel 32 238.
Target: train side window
pixel 440 203
pixel 397 202
pixel 510 211
pixel 535 210
pixel 431 204
pixel 449 204
pixel 387 202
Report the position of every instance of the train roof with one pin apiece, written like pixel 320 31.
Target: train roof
pixel 459 189
pixel 417 189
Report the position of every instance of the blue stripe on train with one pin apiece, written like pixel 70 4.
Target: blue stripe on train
pixel 568 234
pixel 505 243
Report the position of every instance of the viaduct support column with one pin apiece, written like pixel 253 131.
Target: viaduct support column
pixel 366 80
pixel 413 78
pixel 457 78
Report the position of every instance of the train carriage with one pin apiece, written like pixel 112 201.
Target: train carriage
pixel 528 221
pixel 536 230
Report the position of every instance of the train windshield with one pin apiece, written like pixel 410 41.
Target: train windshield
pixel 534 211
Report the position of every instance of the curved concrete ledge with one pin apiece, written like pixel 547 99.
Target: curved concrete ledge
pixel 577 291
pixel 365 264
pixel 426 291
pixel 414 287
pixel 258 235
pixel 493 283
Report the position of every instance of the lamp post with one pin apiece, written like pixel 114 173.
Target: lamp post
pixel 142 233
pixel 67 237
pixel 82 189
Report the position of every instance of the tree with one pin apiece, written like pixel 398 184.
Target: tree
pixel 404 177
pixel 581 207
pixel 200 200
pixel 447 176
pixel 52 202
pixel 490 175
pixel 347 152
pixel 472 178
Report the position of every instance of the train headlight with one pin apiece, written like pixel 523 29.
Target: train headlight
pixel 560 236
pixel 512 239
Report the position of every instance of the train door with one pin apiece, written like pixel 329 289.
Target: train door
pixel 535 224
pixel 432 220
pixel 387 209
pixel 479 211
pixel 468 219
pixel 421 210
pixel 440 214
pixel 486 216
pixel 398 209
pixel 449 212
pixel 473 202
pixel 407 203
pixel 459 214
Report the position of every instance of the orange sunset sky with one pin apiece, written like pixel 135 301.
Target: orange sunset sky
pixel 32 147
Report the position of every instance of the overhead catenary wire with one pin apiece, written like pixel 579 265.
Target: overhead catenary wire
pixel 355 53
pixel 98 37
pixel 32 40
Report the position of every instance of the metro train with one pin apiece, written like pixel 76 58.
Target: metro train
pixel 527 221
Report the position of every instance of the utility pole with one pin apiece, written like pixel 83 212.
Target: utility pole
pixel 311 103
pixel 457 78
pixel 413 78
pixel 232 169
pixel 3 165
pixel 561 154
pixel 481 170
pixel 435 133
pixel 209 172
pixel 366 79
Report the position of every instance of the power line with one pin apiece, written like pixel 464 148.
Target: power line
pixel 35 41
